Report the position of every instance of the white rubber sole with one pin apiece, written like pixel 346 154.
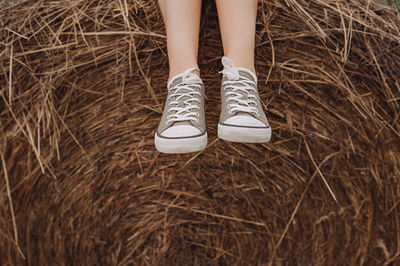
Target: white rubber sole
pixel 180 145
pixel 244 134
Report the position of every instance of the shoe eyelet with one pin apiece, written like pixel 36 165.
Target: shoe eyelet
pixel 197 114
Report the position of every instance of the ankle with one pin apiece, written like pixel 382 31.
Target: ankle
pixel 242 62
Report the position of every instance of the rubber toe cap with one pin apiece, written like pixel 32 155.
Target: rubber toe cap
pixel 242 120
pixel 180 131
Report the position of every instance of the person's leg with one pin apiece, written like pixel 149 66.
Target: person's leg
pixel 182 24
pixel 242 117
pixel 182 128
pixel 237 19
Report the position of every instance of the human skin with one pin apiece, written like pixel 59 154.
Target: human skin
pixel 237 20
pixel 182 24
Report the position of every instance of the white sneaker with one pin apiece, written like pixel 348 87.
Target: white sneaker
pixel 182 128
pixel 242 117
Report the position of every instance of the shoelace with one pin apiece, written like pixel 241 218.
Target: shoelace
pixel 187 88
pixel 238 84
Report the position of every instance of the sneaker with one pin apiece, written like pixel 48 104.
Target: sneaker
pixel 242 117
pixel 182 128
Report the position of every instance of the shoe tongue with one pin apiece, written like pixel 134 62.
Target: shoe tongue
pixel 187 78
pixel 243 93
pixel 191 78
pixel 175 82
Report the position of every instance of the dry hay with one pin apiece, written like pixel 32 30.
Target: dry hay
pixel 82 88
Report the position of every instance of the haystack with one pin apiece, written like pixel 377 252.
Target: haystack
pixel 83 84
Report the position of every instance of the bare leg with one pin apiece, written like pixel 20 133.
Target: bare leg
pixel 237 19
pixel 182 23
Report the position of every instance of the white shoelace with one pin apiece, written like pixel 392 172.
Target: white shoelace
pixel 187 88
pixel 239 84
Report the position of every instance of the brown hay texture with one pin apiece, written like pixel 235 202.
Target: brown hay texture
pixel 83 84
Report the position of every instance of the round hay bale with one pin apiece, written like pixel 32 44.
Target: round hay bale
pixel 83 84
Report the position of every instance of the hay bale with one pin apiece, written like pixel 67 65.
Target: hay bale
pixel 82 89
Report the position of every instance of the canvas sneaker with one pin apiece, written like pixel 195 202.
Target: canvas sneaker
pixel 182 128
pixel 242 117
